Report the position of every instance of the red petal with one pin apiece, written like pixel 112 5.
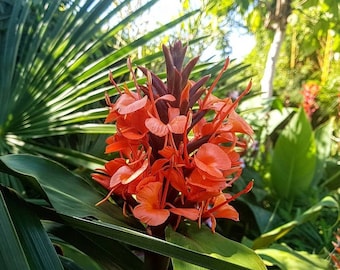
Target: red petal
pixel 116 146
pixel 167 152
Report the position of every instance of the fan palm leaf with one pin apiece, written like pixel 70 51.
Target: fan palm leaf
pixel 54 61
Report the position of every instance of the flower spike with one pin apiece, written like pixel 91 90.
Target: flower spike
pixel 173 162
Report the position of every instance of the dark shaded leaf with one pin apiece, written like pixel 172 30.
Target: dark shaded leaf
pixel 24 242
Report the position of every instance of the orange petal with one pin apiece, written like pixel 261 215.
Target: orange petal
pixel 190 213
pixel 156 127
pixel 149 211
pixel 151 216
pixel 132 134
pixel 111 117
pixel 177 125
pixel 132 105
pixel 104 180
pixel 137 173
pixel 151 193
pixel 185 94
pixel 167 152
pixel 120 175
pixel 172 113
pixel 209 184
pixel 223 209
pixel 166 97
pixel 211 159
pixel 158 165
pixel 113 165
pixel 177 180
pixel 239 124
pixel 227 211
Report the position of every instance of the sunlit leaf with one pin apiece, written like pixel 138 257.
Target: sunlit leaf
pixel 159 246
pixel 236 255
pixel 286 258
pixel 294 158
pixel 323 147
pixel 67 192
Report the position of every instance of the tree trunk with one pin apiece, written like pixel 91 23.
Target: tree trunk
pixel 269 71
pixel 277 22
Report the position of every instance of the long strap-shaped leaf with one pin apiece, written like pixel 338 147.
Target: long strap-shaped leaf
pixel 143 241
pixel 24 242
pixel 72 199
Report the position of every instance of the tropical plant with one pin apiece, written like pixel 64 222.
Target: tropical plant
pixel 168 139
pixel 295 199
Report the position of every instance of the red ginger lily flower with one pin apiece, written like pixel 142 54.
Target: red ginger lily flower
pixel 173 162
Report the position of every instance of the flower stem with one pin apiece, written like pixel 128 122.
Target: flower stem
pixel 154 261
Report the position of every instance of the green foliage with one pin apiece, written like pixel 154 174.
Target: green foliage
pixel 294 156
pixel 51 82
pixel 55 56
pixel 283 214
pixel 73 206
pixel 65 191
pixel 200 239
pixel 269 237
pixel 286 258
pixel 323 134
pixel 25 244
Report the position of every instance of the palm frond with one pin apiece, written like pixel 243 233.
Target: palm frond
pixel 55 60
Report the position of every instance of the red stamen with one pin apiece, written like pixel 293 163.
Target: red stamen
pixel 129 64
pixel 152 98
pixel 112 81
pixel 185 138
pixel 165 193
pixel 211 88
pixel 106 197
pixel 234 197
pixel 223 115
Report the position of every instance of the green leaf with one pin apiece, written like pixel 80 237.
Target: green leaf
pixel 268 238
pixel 12 255
pixel 332 180
pixel 254 20
pixel 204 241
pixel 55 58
pixel 294 158
pixel 67 192
pixel 323 142
pixel 24 242
pixel 108 253
pixel 69 264
pixel 287 258
pixel 77 256
pixel 72 157
pixel 141 240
